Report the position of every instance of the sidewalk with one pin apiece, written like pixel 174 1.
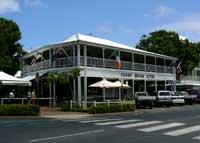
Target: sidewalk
pixel 50 112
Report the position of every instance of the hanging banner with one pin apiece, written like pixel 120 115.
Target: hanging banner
pixel 117 63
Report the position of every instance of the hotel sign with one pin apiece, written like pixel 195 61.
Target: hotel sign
pixel 126 75
pixel 139 76
pixel 150 76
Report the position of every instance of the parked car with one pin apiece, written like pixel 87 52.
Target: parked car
pixel 195 93
pixel 178 97
pixel 143 99
pixel 189 98
pixel 163 97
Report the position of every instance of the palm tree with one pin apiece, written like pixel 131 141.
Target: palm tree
pixel 63 78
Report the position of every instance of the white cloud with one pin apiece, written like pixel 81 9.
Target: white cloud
pixel 188 25
pixel 182 37
pixel 9 6
pixel 162 11
pixel 33 2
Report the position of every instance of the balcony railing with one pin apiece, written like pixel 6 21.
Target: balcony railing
pixel 190 77
pixel 96 62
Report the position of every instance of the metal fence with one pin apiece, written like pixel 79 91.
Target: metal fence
pixel 24 100
pixel 96 62
pixel 73 104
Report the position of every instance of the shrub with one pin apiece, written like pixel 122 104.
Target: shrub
pixel 115 108
pixel 19 110
pixel 118 107
pixel 75 108
pixel 100 108
pixel 128 106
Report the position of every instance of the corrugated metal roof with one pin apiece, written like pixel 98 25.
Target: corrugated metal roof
pixel 100 41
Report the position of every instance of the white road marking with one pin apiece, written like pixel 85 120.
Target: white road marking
pixel 64 136
pixel 99 120
pixel 118 122
pixel 183 131
pixel 138 124
pixel 196 138
pixel 161 127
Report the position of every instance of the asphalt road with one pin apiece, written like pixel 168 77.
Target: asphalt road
pixel 165 125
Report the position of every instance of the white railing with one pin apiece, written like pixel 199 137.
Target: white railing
pixel 94 103
pixel 63 62
pixel 160 69
pixel 150 68
pixel 139 67
pixel 36 67
pixel 23 100
pixel 96 62
pixel 190 77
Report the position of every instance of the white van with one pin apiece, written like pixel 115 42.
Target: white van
pixel 163 97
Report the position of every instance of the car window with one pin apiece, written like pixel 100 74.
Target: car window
pixel 164 93
pixel 178 94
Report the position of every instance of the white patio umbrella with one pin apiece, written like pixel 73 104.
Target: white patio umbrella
pixel 118 84
pixel 103 84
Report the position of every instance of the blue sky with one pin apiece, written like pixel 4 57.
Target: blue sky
pixel 44 22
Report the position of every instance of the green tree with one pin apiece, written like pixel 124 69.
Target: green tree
pixel 63 77
pixel 169 43
pixel 10 48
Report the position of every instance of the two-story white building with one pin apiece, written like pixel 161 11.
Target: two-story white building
pixel 96 57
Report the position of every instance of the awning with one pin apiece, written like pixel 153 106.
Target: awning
pixel 19 83
pixel 31 77
pixel 7 79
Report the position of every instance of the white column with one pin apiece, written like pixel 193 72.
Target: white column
pixel 145 63
pixel 79 77
pixel 54 94
pixel 78 55
pixel 79 89
pixel 85 77
pixel 74 89
pixel 145 85
pixel 156 86
pixel 50 94
pixel 104 94
pixel 133 88
pixel 165 85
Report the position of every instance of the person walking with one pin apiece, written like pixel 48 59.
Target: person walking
pixel 33 98
pixel 29 96
pixel 11 96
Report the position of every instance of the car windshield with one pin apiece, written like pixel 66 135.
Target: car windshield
pixel 178 94
pixel 164 93
pixel 184 93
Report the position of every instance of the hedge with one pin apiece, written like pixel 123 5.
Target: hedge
pixel 118 107
pixel 19 110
